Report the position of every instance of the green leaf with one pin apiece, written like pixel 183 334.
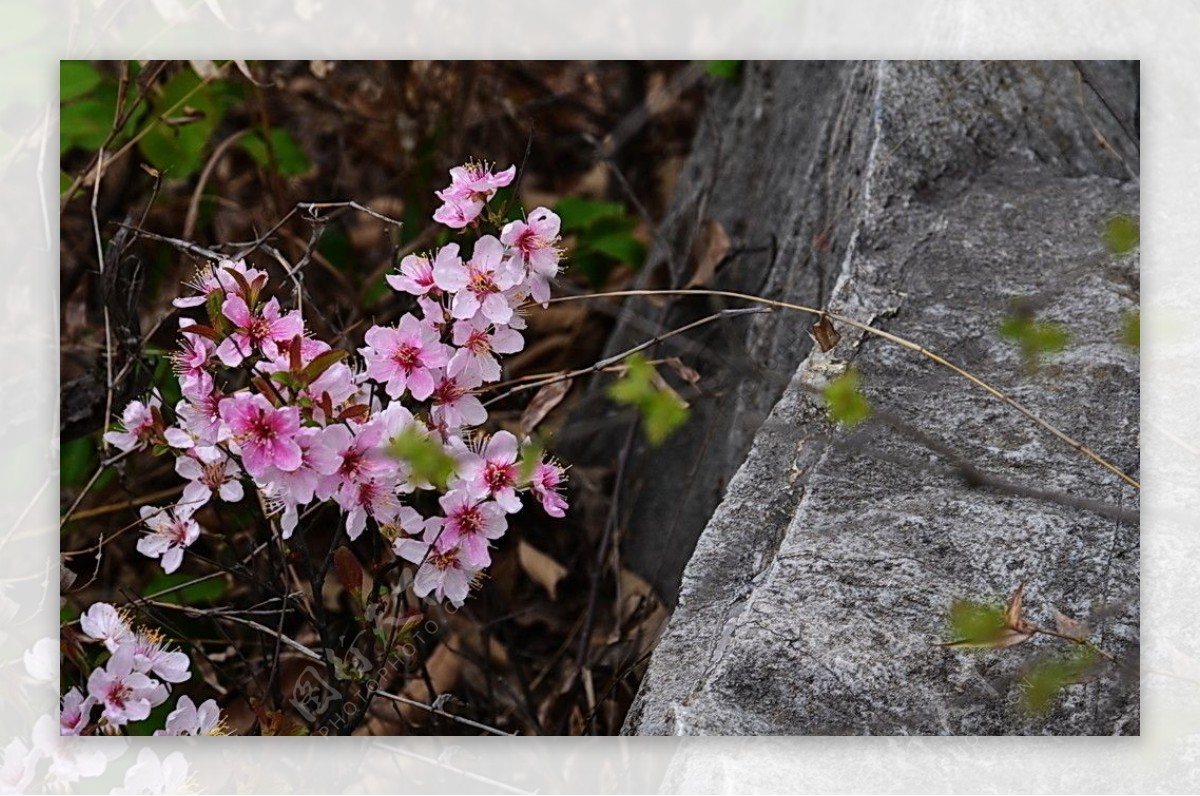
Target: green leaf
pixel 77 461
pixel 167 381
pixel 1131 331
pixel 1122 234
pixel 1036 338
pixel 85 124
pixel 531 456
pixel 76 78
pixel 206 592
pixel 1043 682
pixel 289 156
pixel 845 403
pixel 176 144
pixel 662 410
pixel 64 182
pixel 662 413
pixel 426 458
pixel 577 213
pixel 976 624
pixel 723 70
pixel 622 246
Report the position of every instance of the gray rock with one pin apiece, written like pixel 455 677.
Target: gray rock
pixel 819 590
pixel 779 162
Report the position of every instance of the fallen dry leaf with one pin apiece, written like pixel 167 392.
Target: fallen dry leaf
pixel 544 570
pixel 1070 627
pixel 1005 638
pixel 1013 612
pixel 824 334
pixel 690 375
pixel 544 400
pixel 709 250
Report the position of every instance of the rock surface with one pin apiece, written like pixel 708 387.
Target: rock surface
pixel 780 163
pixel 820 588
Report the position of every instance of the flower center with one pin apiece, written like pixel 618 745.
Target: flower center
pixel 498 476
pixel 478 343
pixel 469 520
pixel 448 391
pixel 482 283
pixel 259 330
pixel 119 694
pixel 446 560
pixel 213 475
pixel 262 429
pixel 407 357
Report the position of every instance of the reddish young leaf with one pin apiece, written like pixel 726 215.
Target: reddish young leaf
pixel 354 412
pixel 294 355
pixel 243 286
pixel 321 363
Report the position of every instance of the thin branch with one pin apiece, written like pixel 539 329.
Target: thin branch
pixel 108 356
pixel 892 338
pixel 193 210
pixel 124 504
pixel 439 712
pixel 1083 642
pixel 608 362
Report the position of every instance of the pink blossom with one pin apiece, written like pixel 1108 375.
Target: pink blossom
pixel 209 470
pixel 359 457
pixel 320 456
pixel 416 271
pixel 191 362
pixel 262 332
pixel 125 694
pixel 471 186
pixel 104 623
pixel 453 404
pixel 336 382
pixel 172 530
pixel 534 245
pixel 494 472
pixel 19 765
pixel 402 357
pixel 365 483
pixel 443 569
pixel 474 358
pixel 547 482
pixel 320 459
pixel 140 426
pixel 200 417
pixel 151 656
pixel 152 775
pixel 375 497
pixel 187 719
pixel 480 284
pixel 471 523
pixel 75 713
pixel 209 279
pixel 266 434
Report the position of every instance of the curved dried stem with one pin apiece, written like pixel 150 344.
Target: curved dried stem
pixel 892 338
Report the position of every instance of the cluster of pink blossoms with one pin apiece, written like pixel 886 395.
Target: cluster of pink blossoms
pixel 135 679
pixel 309 427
